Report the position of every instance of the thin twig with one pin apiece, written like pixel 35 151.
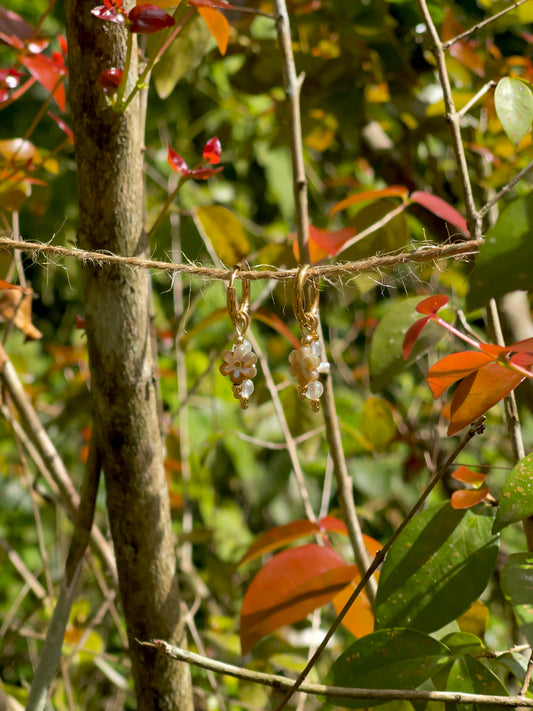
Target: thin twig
pixel 281 683
pixel 481 24
pixel 506 188
pixel 293 84
pixel 527 678
pixel 476 428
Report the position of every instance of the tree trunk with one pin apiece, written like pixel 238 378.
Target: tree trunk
pixel 109 155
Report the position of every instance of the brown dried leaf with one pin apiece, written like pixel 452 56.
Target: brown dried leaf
pixel 17 308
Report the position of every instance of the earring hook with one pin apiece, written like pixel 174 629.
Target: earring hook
pixel 239 313
pixel 307 314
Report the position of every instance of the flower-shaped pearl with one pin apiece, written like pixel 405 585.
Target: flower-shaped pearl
pixel 304 364
pixel 239 363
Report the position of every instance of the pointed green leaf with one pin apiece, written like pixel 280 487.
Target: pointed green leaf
pixel 377 423
pixel 435 570
pixel 386 359
pixel 502 264
pixel 470 676
pixel 517 586
pixel 516 500
pixel 388 659
pixel 513 101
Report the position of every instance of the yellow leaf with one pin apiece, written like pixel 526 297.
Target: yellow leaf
pixel 225 233
pixel 165 4
pixel 475 619
pixel 218 26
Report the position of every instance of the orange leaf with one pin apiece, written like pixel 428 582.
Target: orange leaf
pixel 465 498
pixel 289 587
pixel 370 196
pixel 48 73
pixel 17 308
pixel 217 25
pixel 454 367
pixel 279 536
pixel 467 476
pixel 324 243
pixel 359 620
pixel 478 392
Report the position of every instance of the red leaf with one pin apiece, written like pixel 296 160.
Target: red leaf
pixel 324 243
pixel 110 79
pixel 63 126
pixel 217 25
pixel 213 151
pixel 440 208
pixel 525 346
pixel 147 19
pixel 412 334
pixel 432 304
pixel 289 587
pixel 478 392
pixel 467 476
pixel 370 196
pixel 16 32
pixel 111 13
pixel 454 367
pixel 176 162
pixel 48 73
pixel 8 285
pixel 204 173
pixel 279 536
pixel 465 498
pixel 330 523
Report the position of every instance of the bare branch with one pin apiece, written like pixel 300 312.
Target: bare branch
pixel 281 683
pixel 481 24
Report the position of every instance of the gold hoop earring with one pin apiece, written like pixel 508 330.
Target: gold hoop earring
pixel 239 363
pixel 306 361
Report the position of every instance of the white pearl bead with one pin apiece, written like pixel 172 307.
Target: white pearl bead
pixel 246 346
pixel 316 348
pixel 314 390
pixel 323 367
pixel 247 388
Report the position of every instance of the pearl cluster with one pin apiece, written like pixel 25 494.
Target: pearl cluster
pixel 240 366
pixel 306 366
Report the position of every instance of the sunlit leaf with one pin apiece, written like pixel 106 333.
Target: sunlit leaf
pixel 370 196
pixel 225 233
pixel 432 304
pixel 218 26
pixel 466 498
pixel 516 499
pixel 289 587
pixel 513 101
pixel 324 243
pixel 387 659
pixel 212 150
pixel 454 367
pixel 437 567
pixel 359 620
pixel 439 207
pixel 467 476
pixel 278 537
pixel 478 392
pixel 378 426
pixel 49 74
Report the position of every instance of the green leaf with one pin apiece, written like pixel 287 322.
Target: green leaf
pixel 388 659
pixel 386 359
pixel 517 586
pixel 463 643
pixel 503 259
pixel 185 53
pixel 377 423
pixel 513 101
pixel 435 570
pixel 470 676
pixel 516 500
pixel 224 232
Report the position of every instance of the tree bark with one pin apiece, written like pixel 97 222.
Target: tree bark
pixel 109 156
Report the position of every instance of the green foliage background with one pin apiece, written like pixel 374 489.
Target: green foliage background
pixel 371 118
